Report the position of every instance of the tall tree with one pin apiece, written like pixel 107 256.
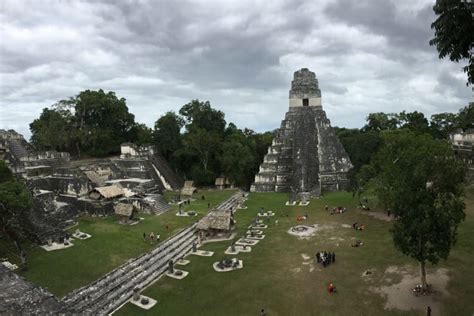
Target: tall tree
pixel 15 201
pixel 381 121
pixel 201 115
pixel 53 130
pixel 454 32
pixel 466 117
pixel 442 124
pixel 238 156
pixel 167 134
pixel 103 121
pixel 422 182
pixel 414 121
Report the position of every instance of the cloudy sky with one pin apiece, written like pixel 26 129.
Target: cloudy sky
pixel 369 55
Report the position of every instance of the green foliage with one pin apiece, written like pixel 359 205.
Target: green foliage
pixel 454 32
pixel 442 124
pixel 141 134
pixel 200 115
pixel 466 117
pixel 53 130
pixel 381 121
pixel 93 122
pixel 421 181
pixel 238 156
pixel 167 134
pixel 14 202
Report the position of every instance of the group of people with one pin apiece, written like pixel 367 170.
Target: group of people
pixel 335 210
pixel 358 226
pixel 152 238
pixel 325 258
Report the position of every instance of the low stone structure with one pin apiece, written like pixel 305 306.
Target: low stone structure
pixel 216 224
pixel 188 188
pixel 108 192
pixel 223 183
pixel 463 145
pixel 125 212
pixel 20 297
pixel 305 157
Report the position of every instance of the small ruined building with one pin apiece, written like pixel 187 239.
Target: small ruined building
pixel 125 212
pixel 188 189
pixel 216 224
pixel 223 183
pixel 463 146
pixel 20 297
pixel 109 192
pixel 305 157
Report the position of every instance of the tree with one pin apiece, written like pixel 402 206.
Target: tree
pixel 414 121
pixel 201 115
pixel 466 117
pixel 238 156
pixel 421 181
pixel 15 201
pixel 141 134
pixel 381 121
pixel 53 130
pixel 94 122
pixel 454 32
pixel 103 122
pixel 442 124
pixel 167 134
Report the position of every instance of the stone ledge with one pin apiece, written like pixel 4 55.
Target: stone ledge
pixel 177 277
pixel 151 302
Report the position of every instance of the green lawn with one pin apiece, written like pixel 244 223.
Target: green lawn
pixel 111 245
pixel 275 278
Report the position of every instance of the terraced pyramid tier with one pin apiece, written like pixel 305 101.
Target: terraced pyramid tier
pixel 305 156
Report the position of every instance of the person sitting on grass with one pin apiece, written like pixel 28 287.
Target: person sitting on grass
pixel 331 288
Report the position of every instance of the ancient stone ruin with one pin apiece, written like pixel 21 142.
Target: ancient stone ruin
pixel 305 157
pixel 62 190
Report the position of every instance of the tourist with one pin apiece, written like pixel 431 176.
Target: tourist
pixel 333 257
pixel 144 237
pixel 167 227
pixel 388 213
pixel 331 288
pixel 276 222
pixel 203 197
pixel 318 259
pixel 327 208
pixel 428 311
pixel 152 237
pixel 262 312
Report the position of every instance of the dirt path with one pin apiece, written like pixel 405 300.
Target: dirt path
pixel 400 296
pixel 378 215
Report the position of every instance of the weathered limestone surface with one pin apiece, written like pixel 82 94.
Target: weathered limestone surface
pixel 20 297
pixel 305 156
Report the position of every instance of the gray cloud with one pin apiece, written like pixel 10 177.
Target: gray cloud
pixel 240 55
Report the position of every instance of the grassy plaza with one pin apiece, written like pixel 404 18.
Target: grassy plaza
pixel 280 274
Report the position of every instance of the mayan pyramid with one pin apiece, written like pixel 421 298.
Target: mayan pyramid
pixel 305 157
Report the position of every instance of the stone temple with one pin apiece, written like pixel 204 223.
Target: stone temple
pixel 305 157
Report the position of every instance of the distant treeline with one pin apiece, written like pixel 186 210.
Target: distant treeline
pixel 362 144
pixel 197 141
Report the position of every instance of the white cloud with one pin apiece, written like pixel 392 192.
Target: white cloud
pixel 240 55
